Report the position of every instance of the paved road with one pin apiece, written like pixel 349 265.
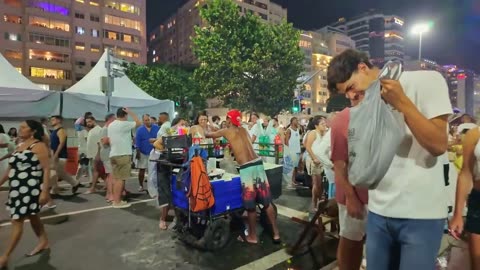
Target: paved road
pixel 85 233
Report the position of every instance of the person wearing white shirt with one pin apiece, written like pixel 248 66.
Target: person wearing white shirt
pixel 120 136
pixel 93 139
pixel 408 209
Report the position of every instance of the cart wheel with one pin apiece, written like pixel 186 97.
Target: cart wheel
pixel 264 219
pixel 217 234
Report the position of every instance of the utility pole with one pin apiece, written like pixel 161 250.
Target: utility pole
pixel 113 71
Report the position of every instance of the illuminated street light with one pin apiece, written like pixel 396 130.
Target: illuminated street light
pixel 420 29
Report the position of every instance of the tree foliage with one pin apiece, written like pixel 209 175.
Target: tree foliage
pixel 249 64
pixel 168 82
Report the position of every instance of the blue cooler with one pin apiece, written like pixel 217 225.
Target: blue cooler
pixel 227 193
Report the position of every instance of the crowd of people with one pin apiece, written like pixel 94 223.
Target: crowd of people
pixel 404 216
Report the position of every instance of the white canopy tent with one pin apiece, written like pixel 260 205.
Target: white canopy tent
pixel 86 95
pixel 21 98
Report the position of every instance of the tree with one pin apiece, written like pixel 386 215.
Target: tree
pixel 248 64
pixel 169 82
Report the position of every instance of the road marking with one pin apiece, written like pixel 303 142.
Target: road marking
pixel 268 261
pixel 79 212
pixel 289 212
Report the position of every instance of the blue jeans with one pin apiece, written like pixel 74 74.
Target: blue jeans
pixel 402 244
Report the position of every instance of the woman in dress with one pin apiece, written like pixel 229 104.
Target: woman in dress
pixel 314 166
pixel 28 175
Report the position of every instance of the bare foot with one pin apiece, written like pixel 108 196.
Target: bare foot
pixel 39 249
pixel 3 261
pixel 247 239
pixel 163 225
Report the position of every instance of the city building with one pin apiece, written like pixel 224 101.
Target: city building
pixel 55 43
pixel 425 64
pixel 466 91
pixel 317 57
pixel 336 39
pixel 171 42
pixel 380 36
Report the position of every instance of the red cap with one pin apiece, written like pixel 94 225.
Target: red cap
pixel 235 116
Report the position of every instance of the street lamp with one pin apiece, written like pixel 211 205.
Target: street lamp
pixel 419 29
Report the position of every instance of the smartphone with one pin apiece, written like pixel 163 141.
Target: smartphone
pixel 391 71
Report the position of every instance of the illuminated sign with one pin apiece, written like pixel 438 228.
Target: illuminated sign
pixel 461 76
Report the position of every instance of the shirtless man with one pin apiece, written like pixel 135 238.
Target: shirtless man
pixel 256 188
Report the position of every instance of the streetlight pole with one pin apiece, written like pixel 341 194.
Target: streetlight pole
pixel 420 29
pixel 420 47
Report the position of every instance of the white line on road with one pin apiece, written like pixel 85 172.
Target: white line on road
pixel 267 261
pixel 79 212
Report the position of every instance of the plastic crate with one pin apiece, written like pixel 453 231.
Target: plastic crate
pixel 227 193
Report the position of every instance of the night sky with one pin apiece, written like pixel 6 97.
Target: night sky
pixel 455 38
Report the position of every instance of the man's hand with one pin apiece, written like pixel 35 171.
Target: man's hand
pixel 316 161
pixel 392 92
pixel 355 207
pixel 137 156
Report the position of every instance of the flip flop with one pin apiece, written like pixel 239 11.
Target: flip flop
pixel 38 252
pixel 243 239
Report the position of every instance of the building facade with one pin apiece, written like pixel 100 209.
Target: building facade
pixel 171 42
pixel 55 43
pixel 380 36
pixel 336 40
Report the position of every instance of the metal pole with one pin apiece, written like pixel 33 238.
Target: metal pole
pixel 110 81
pixel 420 48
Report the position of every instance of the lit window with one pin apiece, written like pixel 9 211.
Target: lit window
pixel 80 46
pixel 13 54
pixel 80 1
pixel 112 35
pixel 95 48
pixel 95 33
pixel 94 3
pixel 80 30
pixel 12 19
pixel 154 52
pixel 48 73
pixel 154 60
pixel 13 36
pixel 171 41
pixel 19 69
pixel 127 38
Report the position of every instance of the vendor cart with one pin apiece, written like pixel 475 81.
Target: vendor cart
pixel 210 229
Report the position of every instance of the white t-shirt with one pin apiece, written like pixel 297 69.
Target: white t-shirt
pixel 164 129
pixel 93 138
pixel 120 134
pixel 82 141
pixel 414 187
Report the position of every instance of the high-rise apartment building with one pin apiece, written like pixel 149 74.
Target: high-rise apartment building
pixel 336 39
pixel 380 36
pixel 171 41
pixel 55 43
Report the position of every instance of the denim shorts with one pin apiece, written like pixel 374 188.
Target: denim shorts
pixel 473 215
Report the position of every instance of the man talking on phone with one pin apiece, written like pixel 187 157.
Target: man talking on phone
pixel 408 209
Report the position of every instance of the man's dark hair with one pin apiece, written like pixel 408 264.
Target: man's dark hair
pixel 90 118
pixel 108 116
pixel 164 113
pixel 43 120
pixel 121 113
pixel 215 118
pixel 153 118
pixel 58 117
pixel 343 66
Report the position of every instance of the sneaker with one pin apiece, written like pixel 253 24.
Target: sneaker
pixel 122 204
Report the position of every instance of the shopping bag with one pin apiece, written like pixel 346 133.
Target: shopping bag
pixel 375 131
